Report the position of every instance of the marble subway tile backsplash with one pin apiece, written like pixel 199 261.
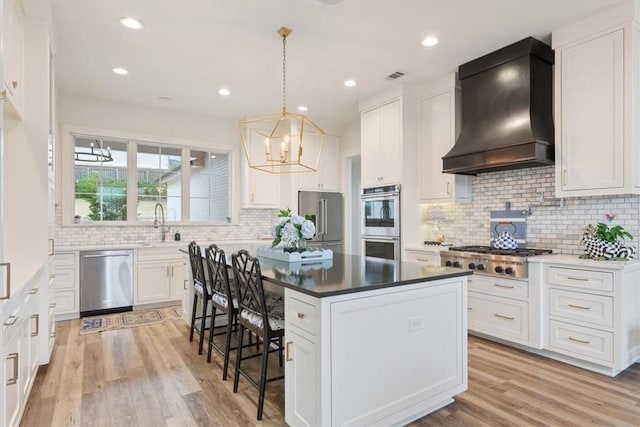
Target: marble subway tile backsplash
pixel 252 223
pixel 552 224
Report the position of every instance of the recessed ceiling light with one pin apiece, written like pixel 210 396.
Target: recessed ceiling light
pixel 120 71
pixel 430 41
pixel 132 23
pixel 303 108
pixel 224 92
pixel 350 83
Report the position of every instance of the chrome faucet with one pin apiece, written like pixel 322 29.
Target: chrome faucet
pixel 155 221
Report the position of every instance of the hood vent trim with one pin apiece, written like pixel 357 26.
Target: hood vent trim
pixel 507 120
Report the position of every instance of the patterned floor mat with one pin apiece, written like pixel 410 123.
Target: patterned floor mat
pixel 129 319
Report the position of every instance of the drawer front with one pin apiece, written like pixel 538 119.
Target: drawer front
pixel 498 317
pixel 581 342
pixel 303 315
pixel 64 260
pixel 65 279
pixel 160 254
pixel 499 287
pixel 595 309
pixel 65 302
pixel 583 279
pixel 428 258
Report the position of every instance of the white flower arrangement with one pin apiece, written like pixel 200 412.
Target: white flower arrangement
pixel 292 230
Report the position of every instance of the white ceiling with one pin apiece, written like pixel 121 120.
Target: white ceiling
pixel 190 49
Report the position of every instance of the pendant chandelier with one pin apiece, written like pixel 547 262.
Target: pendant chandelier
pixel 284 142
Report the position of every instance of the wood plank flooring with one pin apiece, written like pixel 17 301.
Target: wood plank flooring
pixel 153 376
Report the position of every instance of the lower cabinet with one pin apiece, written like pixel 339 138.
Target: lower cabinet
pixel 505 308
pixel 67 289
pixel 336 374
pixel 301 379
pixel 13 358
pixel 593 313
pixel 159 276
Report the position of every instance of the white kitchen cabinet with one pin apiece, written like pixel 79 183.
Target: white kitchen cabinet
pixel 439 127
pixel 505 308
pixel 13 58
pixel 260 189
pixel 382 144
pixel 597 81
pixel 327 178
pixel 329 362
pixel 159 276
pixel 67 289
pixel 11 381
pixel 591 311
pixel 424 256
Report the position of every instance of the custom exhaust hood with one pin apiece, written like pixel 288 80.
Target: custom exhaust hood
pixel 507 120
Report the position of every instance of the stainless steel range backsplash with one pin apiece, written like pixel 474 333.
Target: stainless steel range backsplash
pixel 549 224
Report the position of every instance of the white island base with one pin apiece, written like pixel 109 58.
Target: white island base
pixel 378 357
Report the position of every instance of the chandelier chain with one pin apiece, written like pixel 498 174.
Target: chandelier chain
pixel 284 74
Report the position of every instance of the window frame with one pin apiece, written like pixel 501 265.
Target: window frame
pixel 67 193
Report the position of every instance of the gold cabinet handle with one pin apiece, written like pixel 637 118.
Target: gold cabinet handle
pixel 7 279
pixel 581 307
pixel 300 315
pixel 14 379
pixel 34 291
pixel 503 286
pixel 579 340
pixel 448 188
pixel 14 84
pixel 287 353
pixel 11 320
pixel 52 251
pixel 37 318
pixel 502 316
pixel 580 279
pixel 184 285
pixel 469 308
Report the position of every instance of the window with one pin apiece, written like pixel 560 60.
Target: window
pixel 122 180
pixel 159 178
pixel 100 172
pixel 209 183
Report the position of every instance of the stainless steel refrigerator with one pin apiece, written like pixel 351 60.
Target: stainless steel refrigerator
pixel 326 212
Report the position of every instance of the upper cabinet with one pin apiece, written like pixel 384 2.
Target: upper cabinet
pixel 597 102
pixel 13 58
pixel 382 144
pixel 439 126
pixel 327 178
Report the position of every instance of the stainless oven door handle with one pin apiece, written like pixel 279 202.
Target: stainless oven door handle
pixel 380 196
pixel 380 238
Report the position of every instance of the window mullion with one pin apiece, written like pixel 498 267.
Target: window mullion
pixel 132 182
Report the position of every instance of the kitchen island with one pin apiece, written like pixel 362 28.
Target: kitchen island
pixel 369 342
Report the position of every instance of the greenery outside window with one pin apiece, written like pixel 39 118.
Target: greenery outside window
pixel 100 186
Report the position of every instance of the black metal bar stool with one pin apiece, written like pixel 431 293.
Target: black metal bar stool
pixel 224 300
pixel 200 291
pixel 258 312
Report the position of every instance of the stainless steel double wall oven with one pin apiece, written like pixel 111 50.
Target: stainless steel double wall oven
pixel 381 222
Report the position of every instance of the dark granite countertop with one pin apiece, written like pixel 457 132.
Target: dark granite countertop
pixel 344 273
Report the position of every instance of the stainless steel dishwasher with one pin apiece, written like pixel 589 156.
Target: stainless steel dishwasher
pixel 106 281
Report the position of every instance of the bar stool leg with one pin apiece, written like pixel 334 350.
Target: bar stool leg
pixel 213 308
pixel 236 375
pixel 203 323
pixel 263 375
pixel 193 316
pixel 227 348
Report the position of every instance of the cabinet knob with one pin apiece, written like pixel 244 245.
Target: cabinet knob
pixel 14 84
pixel 3 95
pixel 300 315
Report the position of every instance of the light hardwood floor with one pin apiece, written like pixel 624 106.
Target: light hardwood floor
pixel 152 376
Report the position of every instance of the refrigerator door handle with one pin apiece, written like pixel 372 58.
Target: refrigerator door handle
pixel 320 219
pixel 325 214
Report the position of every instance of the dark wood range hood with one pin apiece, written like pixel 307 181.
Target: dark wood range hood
pixel 507 120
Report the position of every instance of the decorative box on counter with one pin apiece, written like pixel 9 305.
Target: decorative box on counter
pixel 309 254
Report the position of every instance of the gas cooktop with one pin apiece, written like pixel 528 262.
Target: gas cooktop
pixel 490 261
pixel 519 252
